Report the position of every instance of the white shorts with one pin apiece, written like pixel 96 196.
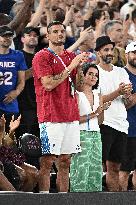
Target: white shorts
pixel 60 138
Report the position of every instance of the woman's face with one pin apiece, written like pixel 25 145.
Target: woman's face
pixel 91 76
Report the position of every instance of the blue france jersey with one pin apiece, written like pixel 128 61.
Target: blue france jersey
pixel 131 113
pixel 10 64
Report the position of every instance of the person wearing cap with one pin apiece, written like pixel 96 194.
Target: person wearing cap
pixel 27 98
pixel 56 71
pixel 12 75
pixel 129 162
pixel 113 84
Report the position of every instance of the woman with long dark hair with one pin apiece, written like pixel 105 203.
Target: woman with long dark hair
pixel 86 167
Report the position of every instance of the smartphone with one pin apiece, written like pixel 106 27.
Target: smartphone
pixel 87 24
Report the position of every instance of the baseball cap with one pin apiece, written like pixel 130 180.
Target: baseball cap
pixel 4 30
pixel 30 28
pixel 131 47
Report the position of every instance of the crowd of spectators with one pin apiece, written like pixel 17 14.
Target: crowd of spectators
pixel 26 21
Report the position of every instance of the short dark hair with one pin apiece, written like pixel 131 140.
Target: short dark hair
pixel 55 23
pixel 112 10
pixel 96 15
pixel 85 68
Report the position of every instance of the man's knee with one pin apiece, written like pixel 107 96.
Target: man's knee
pixel 46 162
pixel 64 161
pixel 113 166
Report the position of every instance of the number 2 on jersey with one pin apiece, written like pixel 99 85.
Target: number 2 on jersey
pixel 5 78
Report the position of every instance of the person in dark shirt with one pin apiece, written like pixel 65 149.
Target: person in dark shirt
pixel 129 161
pixel 27 99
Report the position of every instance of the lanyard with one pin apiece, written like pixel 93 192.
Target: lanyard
pixel 55 54
pixel 70 80
pixel 88 122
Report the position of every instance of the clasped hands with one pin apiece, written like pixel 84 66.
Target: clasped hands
pixel 125 89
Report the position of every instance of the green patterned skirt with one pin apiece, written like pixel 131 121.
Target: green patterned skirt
pixel 86 166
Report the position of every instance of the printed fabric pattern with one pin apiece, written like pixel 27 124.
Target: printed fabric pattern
pixel 86 167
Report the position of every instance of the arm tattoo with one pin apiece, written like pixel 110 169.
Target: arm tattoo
pixel 58 77
pixel 80 81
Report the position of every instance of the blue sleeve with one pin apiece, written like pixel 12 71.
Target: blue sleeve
pixel 69 42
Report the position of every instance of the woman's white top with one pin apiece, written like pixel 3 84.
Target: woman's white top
pixel 85 109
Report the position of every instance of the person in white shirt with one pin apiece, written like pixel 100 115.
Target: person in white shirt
pixel 86 167
pixel 113 84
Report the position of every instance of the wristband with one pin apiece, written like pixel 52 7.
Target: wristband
pixel 88 117
pixel 88 121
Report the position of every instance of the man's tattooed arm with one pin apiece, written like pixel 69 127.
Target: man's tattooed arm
pixel 58 77
pixel 51 82
pixel 79 80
